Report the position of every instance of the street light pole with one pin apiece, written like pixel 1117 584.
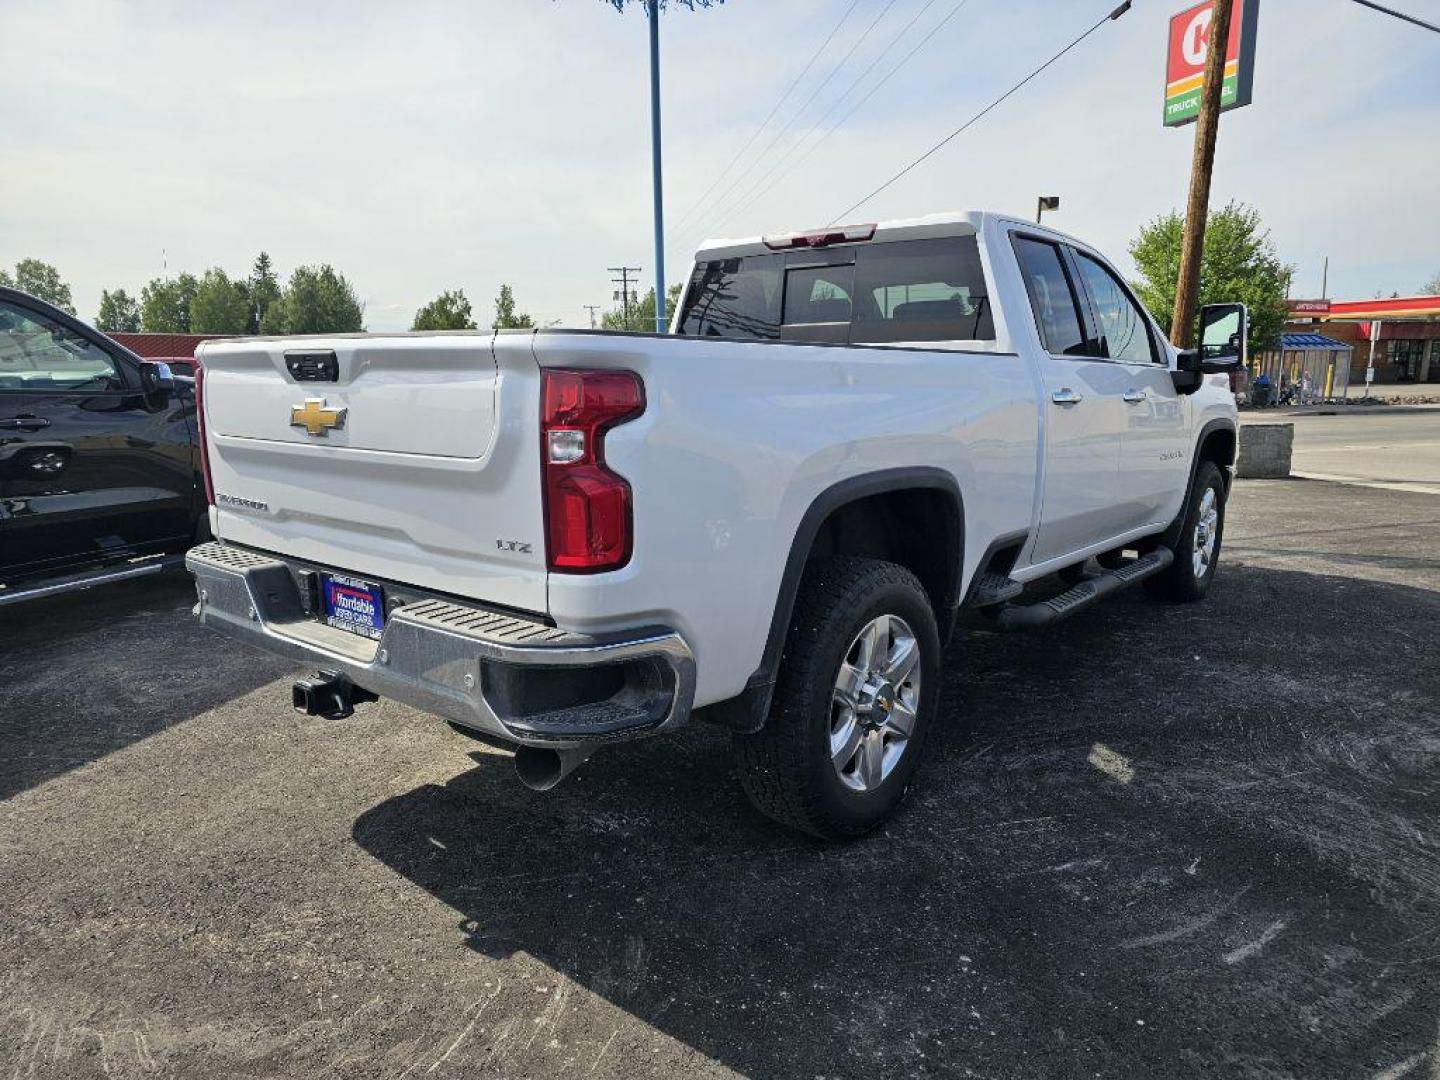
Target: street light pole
pixel 653 10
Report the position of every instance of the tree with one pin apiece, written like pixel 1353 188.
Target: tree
pixel 165 305
pixel 448 311
pixel 119 313
pixel 506 317
pixel 41 280
pixel 1239 263
pixel 264 290
pixel 641 315
pixel 5 279
pixel 1431 287
pixel 220 306
pixel 316 300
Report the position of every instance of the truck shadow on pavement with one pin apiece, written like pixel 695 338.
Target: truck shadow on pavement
pixel 87 673
pixel 1155 841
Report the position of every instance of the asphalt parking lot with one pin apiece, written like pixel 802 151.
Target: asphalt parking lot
pixel 1153 842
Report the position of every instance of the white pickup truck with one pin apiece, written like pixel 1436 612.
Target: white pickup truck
pixel 768 518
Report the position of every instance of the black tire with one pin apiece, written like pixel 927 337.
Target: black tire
pixel 785 768
pixel 1179 583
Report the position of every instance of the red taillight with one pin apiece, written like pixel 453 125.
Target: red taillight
pixel 587 507
pixel 200 433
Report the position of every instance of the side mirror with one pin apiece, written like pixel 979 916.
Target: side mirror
pixel 1223 332
pixel 156 379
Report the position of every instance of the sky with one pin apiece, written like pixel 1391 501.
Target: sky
pixel 439 145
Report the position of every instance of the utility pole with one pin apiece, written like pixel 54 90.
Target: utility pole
pixel 592 308
pixel 624 282
pixel 1325 280
pixel 1207 124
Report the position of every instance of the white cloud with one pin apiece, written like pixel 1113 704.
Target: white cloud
pixel 441 144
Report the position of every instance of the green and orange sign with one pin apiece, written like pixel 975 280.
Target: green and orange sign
pixel 1185 61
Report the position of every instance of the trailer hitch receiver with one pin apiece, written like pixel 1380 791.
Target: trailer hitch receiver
pixel 329 694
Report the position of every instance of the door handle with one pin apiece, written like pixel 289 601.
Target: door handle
pixel 1066 397
pixel 1134 397
pixel 25 423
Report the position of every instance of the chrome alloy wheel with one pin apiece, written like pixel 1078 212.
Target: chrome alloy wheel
pixel 872 713
pixel 1207 522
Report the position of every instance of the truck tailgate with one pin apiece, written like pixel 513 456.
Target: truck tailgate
pixel 430 475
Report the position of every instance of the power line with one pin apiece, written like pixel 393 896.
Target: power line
pixel 1398 14
pixel 813 95
pixel 857 106
pixel 766 122
pixel 758 185
pixel 1121 10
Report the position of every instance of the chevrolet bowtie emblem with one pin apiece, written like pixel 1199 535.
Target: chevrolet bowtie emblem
pixel 316 417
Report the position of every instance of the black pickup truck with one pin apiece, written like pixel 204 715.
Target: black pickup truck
pixel 100 476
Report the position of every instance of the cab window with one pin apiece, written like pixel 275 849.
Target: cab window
pixel 734 298
pixel 922 290
pixel 1125 332
pixel 1053 299
pixel 818 294
pixel 903 291
pixel 37 353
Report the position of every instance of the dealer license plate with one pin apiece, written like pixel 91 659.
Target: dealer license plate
pixel 351 604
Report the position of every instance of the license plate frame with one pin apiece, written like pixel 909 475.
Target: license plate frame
pixel 353 605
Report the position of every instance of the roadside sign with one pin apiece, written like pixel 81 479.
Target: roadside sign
pixel 1185 61
pixel 1370 369
pixel 1308 307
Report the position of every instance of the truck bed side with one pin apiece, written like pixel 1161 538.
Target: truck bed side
pixel 741 438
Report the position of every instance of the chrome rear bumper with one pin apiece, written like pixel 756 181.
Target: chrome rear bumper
pixel 506 675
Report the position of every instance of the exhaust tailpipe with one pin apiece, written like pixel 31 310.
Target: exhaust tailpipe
pixel 541 768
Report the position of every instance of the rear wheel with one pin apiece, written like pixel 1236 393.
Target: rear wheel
pixel 1197 554
pixel 856 691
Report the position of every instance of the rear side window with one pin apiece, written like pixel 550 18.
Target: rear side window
pixel 1057 315
pixel 735 298
pixel 897 291
pixel 921 290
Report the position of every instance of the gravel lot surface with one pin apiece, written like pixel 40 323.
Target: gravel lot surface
pixel 1154 842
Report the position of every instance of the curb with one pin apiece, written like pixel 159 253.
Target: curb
pixel 1335 410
